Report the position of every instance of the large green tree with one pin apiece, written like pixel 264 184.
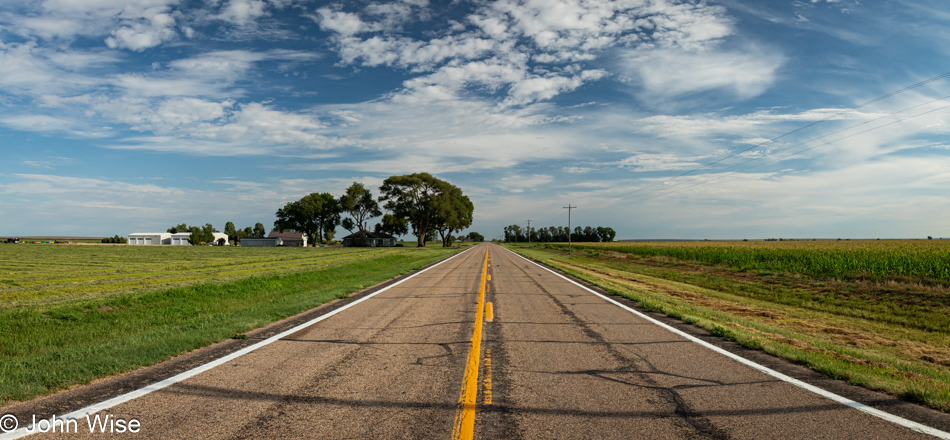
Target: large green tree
pixel 452 213
pixel 259 230
pixel 316 215
pixel 418 199
pixel 358 202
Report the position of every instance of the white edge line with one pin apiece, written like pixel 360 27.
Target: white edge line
pixel 106 404
pixel 910 424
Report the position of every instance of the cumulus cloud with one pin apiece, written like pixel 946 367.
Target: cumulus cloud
pixel 671 72
pixel 531 48
pixel 242 12
pixel 143 33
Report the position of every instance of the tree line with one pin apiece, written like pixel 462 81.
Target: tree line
pixel 205 234
pixel 419 201
pixel 517 234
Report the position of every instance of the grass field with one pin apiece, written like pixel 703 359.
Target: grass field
pixel 71 314
pixel 886 327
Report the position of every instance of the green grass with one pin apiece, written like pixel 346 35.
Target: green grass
pixel 45 347
pixel 892 336
pixel 33 274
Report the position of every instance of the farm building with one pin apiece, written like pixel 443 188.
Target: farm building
pixel 367 238
pixel 141 238
pixel 290 238
pixel 166 238
pixel 261 242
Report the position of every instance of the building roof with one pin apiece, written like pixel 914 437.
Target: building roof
pixel 369 234
pixel 288 235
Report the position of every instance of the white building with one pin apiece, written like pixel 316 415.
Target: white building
pixel 178 239
pixel 142 238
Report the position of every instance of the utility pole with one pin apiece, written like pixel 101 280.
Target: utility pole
pixel 570 249
pixel 529 232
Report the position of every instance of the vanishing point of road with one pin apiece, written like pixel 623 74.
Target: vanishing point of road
pixel 488 344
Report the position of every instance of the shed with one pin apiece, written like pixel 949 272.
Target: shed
pixel 367 238
pixel 290 238
pixel 261 242
pixel 180 239
pixel 144 238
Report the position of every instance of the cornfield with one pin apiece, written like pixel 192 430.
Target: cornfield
pixel 879 260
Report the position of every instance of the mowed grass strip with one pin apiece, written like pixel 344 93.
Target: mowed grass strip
pixel 45 274
pixel 46 348
pixel 838 328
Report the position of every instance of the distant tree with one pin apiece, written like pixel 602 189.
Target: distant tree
pixel 115 239
pixel 393 225
pixel 179 228
pixel 358 202
pixel 259 230
pixel 241 234
pixel 231 231
pixel 202 235
pixel 413 197
pixel 316 215
pixel 249 232
pixel 605 234
pixel 476 237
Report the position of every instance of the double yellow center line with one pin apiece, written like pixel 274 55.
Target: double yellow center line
pixel 464 427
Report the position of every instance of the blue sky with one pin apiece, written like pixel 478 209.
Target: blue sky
pixel 120 116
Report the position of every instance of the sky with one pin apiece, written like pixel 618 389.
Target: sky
pixel 669 119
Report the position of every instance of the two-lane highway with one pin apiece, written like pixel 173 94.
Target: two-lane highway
pixel 419 360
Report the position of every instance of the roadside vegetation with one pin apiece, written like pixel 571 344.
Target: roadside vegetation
pixel 71 314
pixel 873 313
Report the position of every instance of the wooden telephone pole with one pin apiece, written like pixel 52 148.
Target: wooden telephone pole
pixel 570 249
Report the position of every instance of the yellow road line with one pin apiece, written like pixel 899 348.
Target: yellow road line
pixel 464 427
pixel 489 312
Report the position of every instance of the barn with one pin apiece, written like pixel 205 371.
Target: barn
pixel 371 239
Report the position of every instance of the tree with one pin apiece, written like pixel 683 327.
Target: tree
pixel 249 232
pixel 412 197
pixel 348 224
pixel 316 215
pixel 179 228
pixel 259 230
pixel 358 202
pixel 393 225
pixel 231 231
pixel 476 237
pixel 452 212
pixel 202 235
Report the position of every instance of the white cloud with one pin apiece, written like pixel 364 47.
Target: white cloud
pixel 242 12
pixel 507 34
pixel 143 34
pixel 658 162
pixel 128 24
pixel 671 72
pixel 517 183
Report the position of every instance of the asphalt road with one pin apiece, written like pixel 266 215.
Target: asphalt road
pixel 556 362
